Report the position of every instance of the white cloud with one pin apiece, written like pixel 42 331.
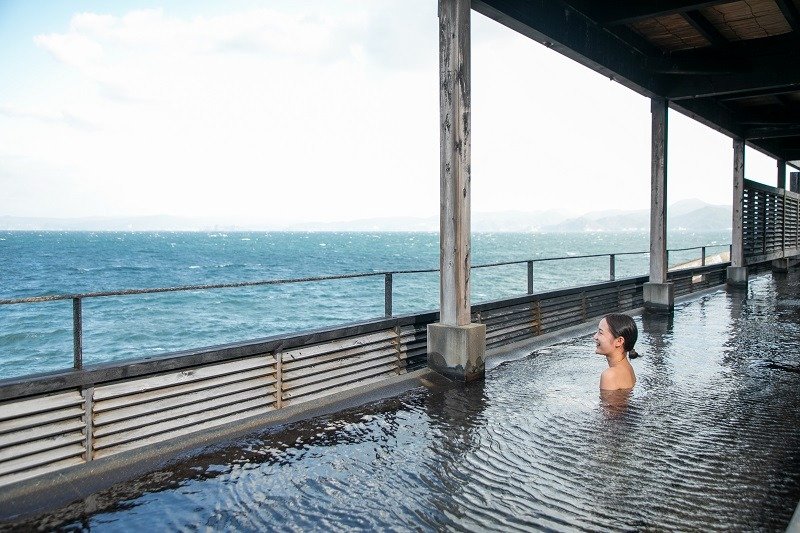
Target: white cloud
pixel 296 114
pixel 257 113
pixel 72 48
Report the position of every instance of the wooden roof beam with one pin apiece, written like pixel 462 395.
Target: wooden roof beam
pixel 761 92
pixel 791 154
pixel 574 34
pixel 711 114
pixel 790 13
pixel 773 132
pixel 780 144
pixel 627 11
pixel 768 117
pixel 705 28
pixel 778 73
pixel 786 101
pixel 784 148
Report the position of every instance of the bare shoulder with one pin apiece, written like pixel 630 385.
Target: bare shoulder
pixel 617 378
pixel 608 379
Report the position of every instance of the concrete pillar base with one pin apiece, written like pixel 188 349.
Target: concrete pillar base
pixel 780 265
pixel 737 276
pixel 458 352
pixel 659 296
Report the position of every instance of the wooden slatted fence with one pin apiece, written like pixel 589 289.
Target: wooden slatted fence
pixel 770 218
pixel 61 420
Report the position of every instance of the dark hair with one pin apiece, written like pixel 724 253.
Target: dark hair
pixel 623 326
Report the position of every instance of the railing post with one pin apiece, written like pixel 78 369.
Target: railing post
pixel 278 380
pixel 77 334
pixel 702 256
pixel 530 277
pixel 783 219
pixel 612 267
pixel 88 421
pixel 387 294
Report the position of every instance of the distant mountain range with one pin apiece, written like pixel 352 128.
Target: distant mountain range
pixel 689 215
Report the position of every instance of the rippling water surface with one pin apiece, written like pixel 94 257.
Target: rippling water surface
pixel 708 440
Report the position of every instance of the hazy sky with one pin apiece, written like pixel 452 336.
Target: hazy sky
pixel 311 111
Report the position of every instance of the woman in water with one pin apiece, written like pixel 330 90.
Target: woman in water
pixel 615 337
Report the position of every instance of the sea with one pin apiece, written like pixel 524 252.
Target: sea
pixel 37 337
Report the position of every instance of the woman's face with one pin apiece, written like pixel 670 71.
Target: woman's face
pixel 604 340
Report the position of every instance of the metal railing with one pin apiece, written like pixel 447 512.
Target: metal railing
pixel 77 298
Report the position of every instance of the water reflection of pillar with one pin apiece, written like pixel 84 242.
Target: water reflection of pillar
pixel 456 413
pixel 737 297
pixel 657 329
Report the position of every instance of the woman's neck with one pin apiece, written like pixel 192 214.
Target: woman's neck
pixel 616 359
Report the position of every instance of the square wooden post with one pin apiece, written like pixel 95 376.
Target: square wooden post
pixel 658 293
pixel 737 272
pixel 456 347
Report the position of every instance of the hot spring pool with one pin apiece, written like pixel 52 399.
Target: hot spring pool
pixel 708 440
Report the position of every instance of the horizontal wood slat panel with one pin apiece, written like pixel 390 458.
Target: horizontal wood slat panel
pixel 32 447
pixel 338 345
pixel 311 396
pixel 263 384
pixel 39 459
pixel 341 365
pixel 48 468
pixel 180 432
pixel 150 418
pixel 354 354
pixel 301 380
pixel 196 420
pixel 39 432
pixel 266 373
pixel 40 404
pixel 355 378
pixel 175 378
pixel 40 419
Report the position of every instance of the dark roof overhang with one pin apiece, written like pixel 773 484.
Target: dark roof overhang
pixel 732 65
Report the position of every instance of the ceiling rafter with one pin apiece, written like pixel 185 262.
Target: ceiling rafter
pixel 627 11
pixel 575 35
pixel 700 23
pixel 708 83
pixel 773 132
pixel 787 102
pixel 760 92
pixel 790 13
pixel 776 73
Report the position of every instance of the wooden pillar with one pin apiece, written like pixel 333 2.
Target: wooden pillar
pixel 658 192
pixel 456 347
pixel 737 272
pixel 455 138
pixel 737 250
pixel 781 174
pixel 658 294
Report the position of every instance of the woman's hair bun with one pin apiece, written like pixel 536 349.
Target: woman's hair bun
pixel 633 354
